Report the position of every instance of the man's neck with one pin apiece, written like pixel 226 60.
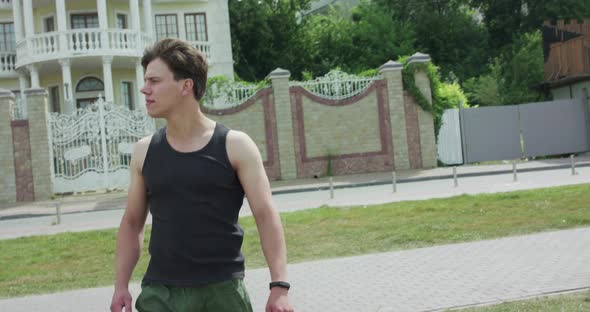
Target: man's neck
pixel 187 121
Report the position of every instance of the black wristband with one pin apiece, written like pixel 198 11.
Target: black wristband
pixel 279 284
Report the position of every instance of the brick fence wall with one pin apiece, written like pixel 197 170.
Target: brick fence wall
pixel 299 134
pixel 302 135
pixel 23 166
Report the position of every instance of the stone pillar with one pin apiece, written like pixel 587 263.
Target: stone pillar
pixel 7 170
pixel 40 143
pixel 425 119
pixel 66 72
pixel 284 120
pixel 392 72
pixel 107 71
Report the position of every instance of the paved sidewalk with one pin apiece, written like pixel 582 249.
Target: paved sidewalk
pixel 426 279
pixel 117 199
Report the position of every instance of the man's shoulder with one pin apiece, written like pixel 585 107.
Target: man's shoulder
pixel 145 141
pixel 140 150
pixel 240 147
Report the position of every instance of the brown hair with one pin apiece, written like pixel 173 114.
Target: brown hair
pixel 184 60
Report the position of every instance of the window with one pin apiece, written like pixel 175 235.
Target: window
pixel 7 40
pixel 54 99
pixel 166 26
pixel 122 21
pixel 49 23
pixel 90 84
pixel 80 21
pixel 127 91
pixel 196 27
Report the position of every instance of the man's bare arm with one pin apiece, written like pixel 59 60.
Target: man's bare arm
pixel 130 236
pixel 247 161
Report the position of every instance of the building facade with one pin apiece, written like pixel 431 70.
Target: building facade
pixel 79 50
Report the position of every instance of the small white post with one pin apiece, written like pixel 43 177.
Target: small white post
pixel 514 172
pixel 331 188
pixel 58 212
pixel 573 162
pixel 394 182
pixel 455 176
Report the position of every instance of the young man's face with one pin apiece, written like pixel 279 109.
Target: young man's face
pixel 161 91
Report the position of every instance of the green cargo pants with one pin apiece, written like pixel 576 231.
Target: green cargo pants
pixel 230 296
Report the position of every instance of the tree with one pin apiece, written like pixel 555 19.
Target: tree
pixel 447 30
pixel 354 41
pixel 507 19
pixel 512 75
pixel 266 34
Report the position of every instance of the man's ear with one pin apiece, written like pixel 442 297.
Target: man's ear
pixel 187 87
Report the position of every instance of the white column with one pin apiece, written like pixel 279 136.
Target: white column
pixel 62 23
pixel 134 10
pixel 108 78
pixel 103 22
pixel 148 18
pixel 66 73
pixel 181 27
pixel 140 102
pixel 29 20
pixel 23 84
pixel 34 76
pixel 17 14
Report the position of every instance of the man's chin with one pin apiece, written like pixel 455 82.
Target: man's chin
pixel 154 114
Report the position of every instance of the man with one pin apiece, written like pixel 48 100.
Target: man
pixel 193 175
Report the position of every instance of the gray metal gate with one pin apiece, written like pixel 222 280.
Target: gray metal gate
pixel 512 132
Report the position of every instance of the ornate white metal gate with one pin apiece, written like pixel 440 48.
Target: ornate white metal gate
pixel 92 147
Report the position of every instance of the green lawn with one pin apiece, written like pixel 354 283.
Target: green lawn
pixel 44 264
pixel 574 302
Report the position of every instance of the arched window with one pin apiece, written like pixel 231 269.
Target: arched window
pixel 90 84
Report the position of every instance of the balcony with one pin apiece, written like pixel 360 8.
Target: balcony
pixel 205 47
pixel 7 64
pixel 567 59
pixel 80 42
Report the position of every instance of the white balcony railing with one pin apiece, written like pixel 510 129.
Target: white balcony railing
pixel 78 42
pixel 7 62
pixel 5 4
pixel 204 47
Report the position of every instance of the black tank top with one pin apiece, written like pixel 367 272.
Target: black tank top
pixel 194 199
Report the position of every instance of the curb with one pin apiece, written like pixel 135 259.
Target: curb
pixel 422 179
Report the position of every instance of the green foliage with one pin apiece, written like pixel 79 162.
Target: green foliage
pixel 366 38
pixel 511 75
pixel 448 31
pixel 506 20
pixel 368 73
pixel 267 34
pixel 484 90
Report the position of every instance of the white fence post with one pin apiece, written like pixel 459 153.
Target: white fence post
pixel 103 141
